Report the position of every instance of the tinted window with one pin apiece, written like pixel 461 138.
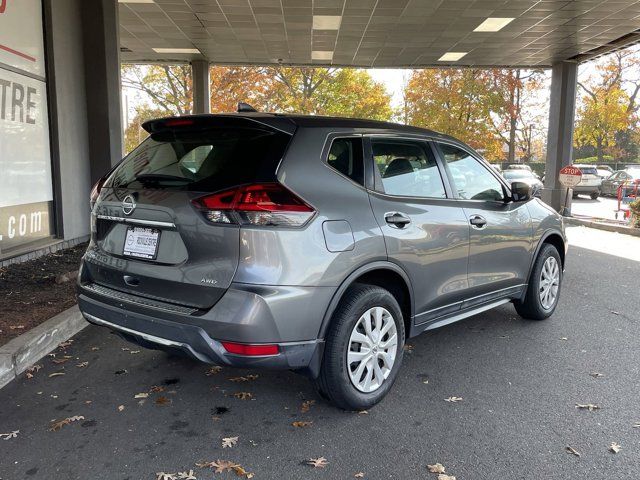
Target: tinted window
pixel 408 168
pixel 589 170
pixel 471 180
pixel 345 156
pixel 203 160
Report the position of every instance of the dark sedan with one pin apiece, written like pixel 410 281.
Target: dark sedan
pixel 527 177
pixel 611 184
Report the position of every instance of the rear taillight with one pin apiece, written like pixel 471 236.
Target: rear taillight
pixel 250 350
pixel 95 192
pixel 265 204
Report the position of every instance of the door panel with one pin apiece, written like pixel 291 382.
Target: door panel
pixel 500 232
pixel 426 233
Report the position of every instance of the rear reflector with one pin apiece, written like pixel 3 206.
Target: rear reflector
pixel 250 350
pixel 264 204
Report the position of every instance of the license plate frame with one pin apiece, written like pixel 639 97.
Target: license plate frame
pixel 132 247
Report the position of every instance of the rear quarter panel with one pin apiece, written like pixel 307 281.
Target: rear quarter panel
pixel 300 256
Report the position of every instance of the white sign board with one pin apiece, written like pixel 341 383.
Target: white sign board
pixel 21 35
pixel 26 191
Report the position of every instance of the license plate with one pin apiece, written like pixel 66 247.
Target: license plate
pixel 142 242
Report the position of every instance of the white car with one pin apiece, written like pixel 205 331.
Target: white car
pixel 590 184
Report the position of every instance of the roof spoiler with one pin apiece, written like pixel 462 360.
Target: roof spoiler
pixel 245 107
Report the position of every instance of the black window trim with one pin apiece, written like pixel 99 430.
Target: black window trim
pixel 426 143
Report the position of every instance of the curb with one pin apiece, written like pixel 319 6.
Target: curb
pixel 20 353
pixel 603 226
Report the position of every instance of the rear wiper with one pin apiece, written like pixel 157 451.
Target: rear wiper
pixel 160 177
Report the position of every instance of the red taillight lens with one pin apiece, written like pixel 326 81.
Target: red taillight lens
pixel 250 350
pixel 267 204
pixel 95 191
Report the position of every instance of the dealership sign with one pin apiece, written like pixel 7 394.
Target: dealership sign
pixel 26 192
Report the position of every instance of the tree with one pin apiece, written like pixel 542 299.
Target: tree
pixel 169 87
pixel 603 112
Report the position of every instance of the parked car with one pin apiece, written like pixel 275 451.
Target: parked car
pixel 605 168
pixel 527 177
pixel 610 185
pixel 603 173
pixel 590 182
pixel 519 166
pixel 312 244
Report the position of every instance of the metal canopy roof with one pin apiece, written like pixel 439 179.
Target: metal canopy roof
pixel 374 33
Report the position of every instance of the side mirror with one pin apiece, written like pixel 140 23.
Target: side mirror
pixel 520 192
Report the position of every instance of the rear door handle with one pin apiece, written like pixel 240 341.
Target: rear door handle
pixel 478 221
pixel 397 219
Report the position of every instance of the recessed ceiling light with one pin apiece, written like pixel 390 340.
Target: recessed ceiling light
pixel 326 22
pixel 493 24
pixel 321 55
pixel 176 50
pixel 136 1
pixel 452 56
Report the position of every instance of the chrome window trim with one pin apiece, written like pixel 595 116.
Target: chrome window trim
pixel 135 221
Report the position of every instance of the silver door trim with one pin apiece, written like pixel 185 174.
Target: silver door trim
pixel 466 314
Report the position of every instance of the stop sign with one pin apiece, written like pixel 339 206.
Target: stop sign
pixel 570 176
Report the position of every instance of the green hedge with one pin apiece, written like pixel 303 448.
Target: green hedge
pixel 605 159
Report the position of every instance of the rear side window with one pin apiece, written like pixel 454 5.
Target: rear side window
pixel 407 168
pixel 346 157
pixel 203 160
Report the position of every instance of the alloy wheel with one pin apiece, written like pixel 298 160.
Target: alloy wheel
pixel 372 349
pixel 549 283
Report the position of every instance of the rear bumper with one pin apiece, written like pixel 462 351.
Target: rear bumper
pixel 282 316
pixel 586 188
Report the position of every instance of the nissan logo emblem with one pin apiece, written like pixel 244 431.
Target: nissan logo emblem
pixel 128 205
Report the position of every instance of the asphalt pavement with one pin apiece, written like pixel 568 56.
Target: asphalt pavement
pixel 519 384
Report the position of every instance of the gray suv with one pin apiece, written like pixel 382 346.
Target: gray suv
pixel 310 243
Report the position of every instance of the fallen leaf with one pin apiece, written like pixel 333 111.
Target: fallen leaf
pixel 442 476
pixel 213 370
pixel 408 348
pixel 121 372
pixel 239 379
pixel 243 395
pixel 162 401
pixel 359 475
pixel 302 424
pixel 133 352
pixel 219 466
pixel 7 436
pixel 59 361
pixel 306 405
pixel 165 476
pixel 319 462
pixel 190 475
pixel 437 468
pixel 564 338
pixel 120 408
pixel 141 395
pixel 453 399
pixel 65 344
pixel 229 442
pixel 241 472
pixel 615 313
pixel 614 447
pixel 363 412
pixel 156 389
pixel 587 406
pixel 57 425
pixel 252 376
pixel 16 327
pixel 32 370
pixel 572 451
pixel 95 349
pixel 596 374
pixel 56 374
pixel 82 365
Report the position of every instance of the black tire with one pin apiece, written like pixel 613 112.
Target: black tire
pixel 594 195
pixel 531 307
pixel 333 382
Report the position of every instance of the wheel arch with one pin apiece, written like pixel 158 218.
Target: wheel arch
pixel 384 274
pixel 552 237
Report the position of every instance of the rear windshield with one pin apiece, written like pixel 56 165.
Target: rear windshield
pixel 202 160
pixel 589 170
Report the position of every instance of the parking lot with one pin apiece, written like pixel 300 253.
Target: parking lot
pixel 519 384
pixel 602 207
